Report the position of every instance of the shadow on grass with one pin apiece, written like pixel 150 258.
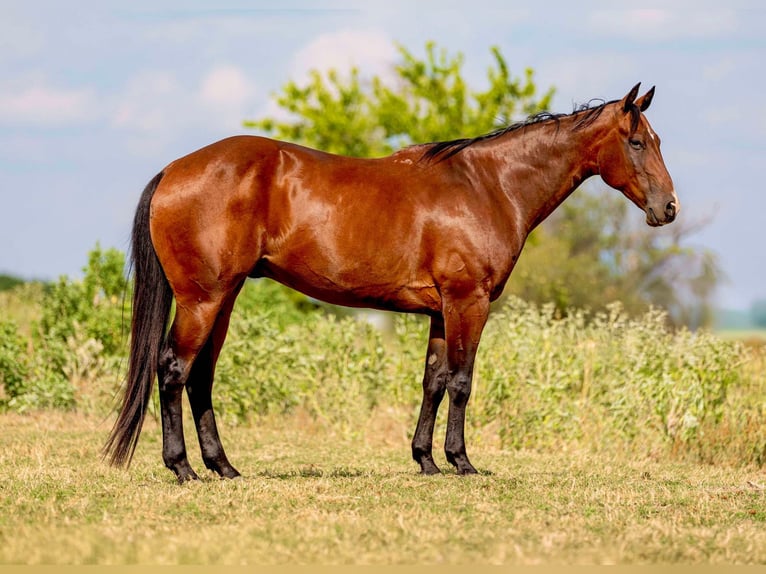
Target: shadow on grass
pixel 312 472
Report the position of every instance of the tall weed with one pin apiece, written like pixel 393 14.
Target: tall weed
pixel 601 381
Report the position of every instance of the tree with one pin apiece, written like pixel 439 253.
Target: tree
pixel 8 282
pixel 348 115
pixel 586 255
pixel 593 251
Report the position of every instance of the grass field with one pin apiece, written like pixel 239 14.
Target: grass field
pixel 308 497
pixel 752 336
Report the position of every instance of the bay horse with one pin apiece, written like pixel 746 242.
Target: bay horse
pixel 434 229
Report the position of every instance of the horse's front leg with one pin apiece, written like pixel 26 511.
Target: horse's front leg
pixel 434 387
pixel 464 322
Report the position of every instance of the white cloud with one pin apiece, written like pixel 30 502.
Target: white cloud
pixel 652 24
pixel 370 50
pixel 157 100
pixel 226 86
pixel 34 101
pixel 152 101
pixel 157 108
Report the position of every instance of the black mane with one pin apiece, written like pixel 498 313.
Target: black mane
pixel 441 151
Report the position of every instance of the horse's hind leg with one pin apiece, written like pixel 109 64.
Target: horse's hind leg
pixel 199 388
pixel 191 329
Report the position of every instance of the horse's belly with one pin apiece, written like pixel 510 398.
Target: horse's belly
pixel 354 285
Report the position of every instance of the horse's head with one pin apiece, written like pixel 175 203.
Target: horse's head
pixel 629 159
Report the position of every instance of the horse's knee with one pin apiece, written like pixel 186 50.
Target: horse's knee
pixel 437 372
pixel 435 384
pixel 459 389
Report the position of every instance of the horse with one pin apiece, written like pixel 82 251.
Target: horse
pixel 434 229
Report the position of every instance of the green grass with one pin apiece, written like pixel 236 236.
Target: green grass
pixel 309 496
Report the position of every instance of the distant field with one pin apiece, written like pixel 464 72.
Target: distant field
pixel 308 497
pixel 743 334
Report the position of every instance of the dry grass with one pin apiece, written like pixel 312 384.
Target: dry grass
pixel 309 497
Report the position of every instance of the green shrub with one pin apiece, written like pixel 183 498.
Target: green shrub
pixel 333 367
pixel 601 380
pixel 94 303
pixel 77 344
pixel 31 381
pixel 13 361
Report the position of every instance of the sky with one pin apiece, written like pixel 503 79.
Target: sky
pixel 97 97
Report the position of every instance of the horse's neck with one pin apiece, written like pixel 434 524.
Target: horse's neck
pixel 539 166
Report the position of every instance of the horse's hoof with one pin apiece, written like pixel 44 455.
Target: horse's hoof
pixel 187 476
pixel 430 470
pixel 461 463
pixel 230 473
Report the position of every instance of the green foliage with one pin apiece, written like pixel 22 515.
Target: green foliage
pixel 337 116
pixel 430 101
pixel 276 304
pixel 609 379
pixel 330 367
pixel 78 342
pixel 595 381
pixel 590 253
pixel 31 381
pixel 8 282
pixel 22 305
pixel 93 303
pixel 13 364
pixel 601 382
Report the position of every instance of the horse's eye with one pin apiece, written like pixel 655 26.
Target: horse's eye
pixel 637 144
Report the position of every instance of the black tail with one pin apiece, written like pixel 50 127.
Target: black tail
pixel 152 298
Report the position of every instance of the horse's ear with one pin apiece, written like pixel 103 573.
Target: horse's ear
pixel 644 101
pixel 627 101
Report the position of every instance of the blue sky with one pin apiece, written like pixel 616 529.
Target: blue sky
pixel 96 97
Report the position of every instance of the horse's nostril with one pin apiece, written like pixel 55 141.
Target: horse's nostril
pixel 670 209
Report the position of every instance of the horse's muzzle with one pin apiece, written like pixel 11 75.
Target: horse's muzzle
pixel 667 215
